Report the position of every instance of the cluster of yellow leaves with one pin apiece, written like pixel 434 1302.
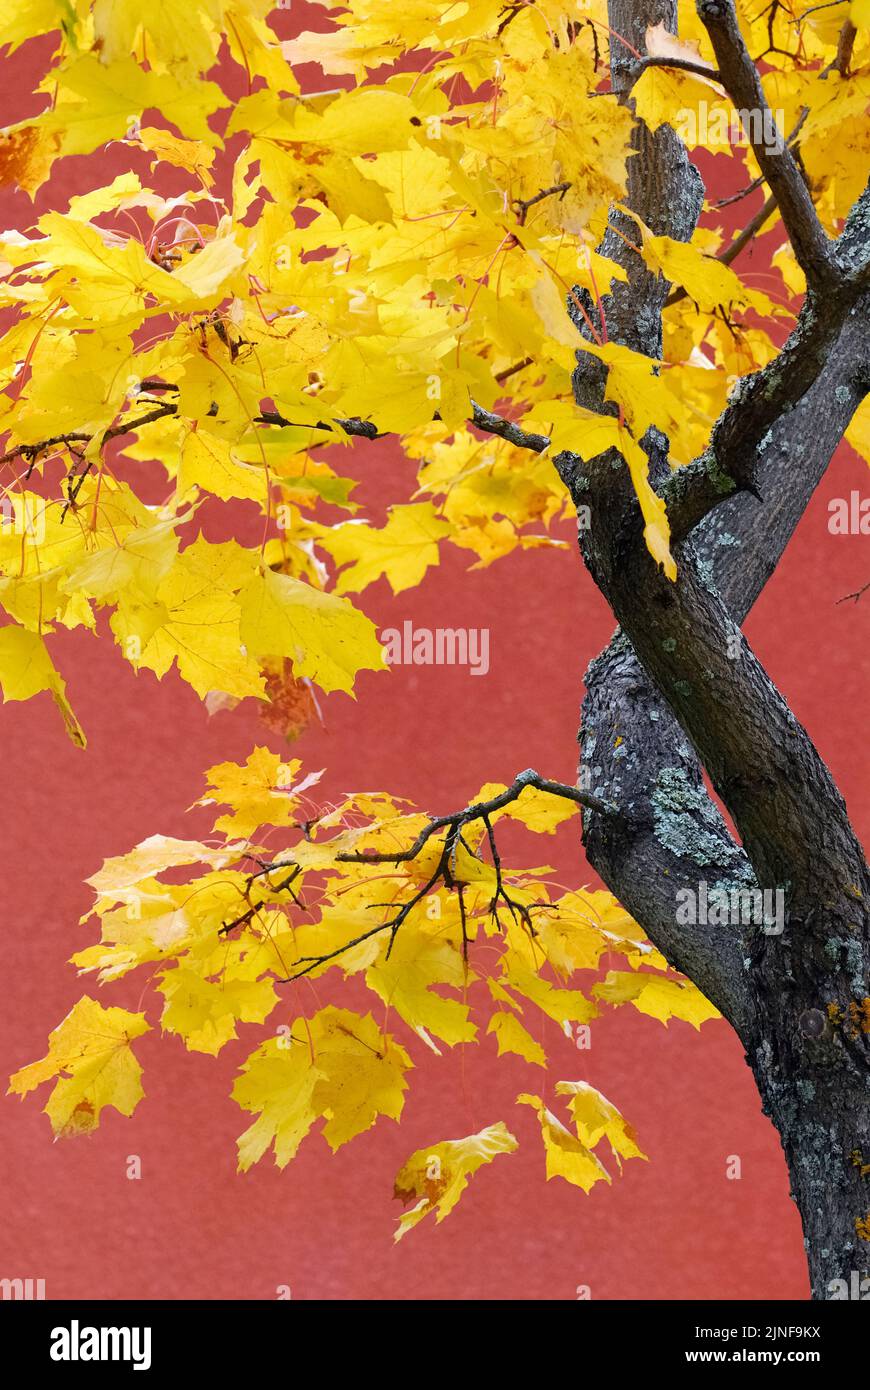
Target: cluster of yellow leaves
pixel 571 1156
pixel 222 926
pixel 390 251
pixel 381 255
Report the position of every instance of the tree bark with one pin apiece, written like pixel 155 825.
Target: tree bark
pixel 678 691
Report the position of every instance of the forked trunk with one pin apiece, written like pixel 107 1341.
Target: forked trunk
pixel 678 692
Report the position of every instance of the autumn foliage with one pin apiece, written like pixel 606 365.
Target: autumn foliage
pixel 387 247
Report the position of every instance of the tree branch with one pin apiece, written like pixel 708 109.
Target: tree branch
pixel 525 203
pixel 506 429
pixel 512 370
pixel 830 343
pixel 739 77
pixel 699 68
pixel 478 811
pixel 31 452
pixel 633 746
pixel 760 402
pixel 485 420
pixel 859 593
pixel 454 824
pixel 845 45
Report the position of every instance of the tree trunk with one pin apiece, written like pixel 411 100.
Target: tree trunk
pixel 810 1063
pixel 678 691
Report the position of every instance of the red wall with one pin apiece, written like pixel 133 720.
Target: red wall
pixel 191 1228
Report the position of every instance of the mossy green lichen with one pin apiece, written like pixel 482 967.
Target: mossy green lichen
pixel 721 480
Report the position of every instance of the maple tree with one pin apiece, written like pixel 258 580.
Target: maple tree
pixel 484 236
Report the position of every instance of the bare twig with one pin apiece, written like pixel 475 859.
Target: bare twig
pixel 519 911
pixel 827 5
pixel 392 925
pixel 743 192
pixel 444 872
pixel 510 13
pixel 523 204
pixel 477 811
pixel 511 371
pixel 245 917
pixel 857 594
pixel 754 225
pixel 31 452
pixel 791 142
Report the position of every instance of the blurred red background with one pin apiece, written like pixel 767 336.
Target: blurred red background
pixel 675 1227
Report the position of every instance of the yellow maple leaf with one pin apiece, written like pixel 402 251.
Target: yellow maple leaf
pixel 108 95
pixel 562 1005
pixel 337 1065
pixel 124 191
pixel 859 13
pixel 209 462
pixel 264 790
pixel 90 1054
pixel 140 560
pixel 194 621
pixel 24 19
pixel 658 997
pixel 192 155
pixel 26 668
pixel 324 636
pixel 596 1118
pixel 193 44
pixel 439 1175
pixel 202 281
pixel 402 550
pixel 277 1082
pixel 566 1156
pixel 537 810
pixel 511 1036
pixel 204 1012
pixel 363 121
pixel 858 431
pixel 361 1073
pixel 420 958
pixel 153 925
pixel 672 96
pixel 706 281
pixel 27 152
pixel 153 856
